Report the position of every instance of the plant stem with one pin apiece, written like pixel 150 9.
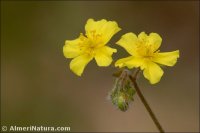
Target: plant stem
pixel 155 120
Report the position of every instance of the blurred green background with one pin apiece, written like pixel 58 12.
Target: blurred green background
pixel 37 87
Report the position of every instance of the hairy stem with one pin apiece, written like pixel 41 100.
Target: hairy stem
pixel 155 120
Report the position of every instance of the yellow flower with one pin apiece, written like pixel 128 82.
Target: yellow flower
pixel 92 45
pixel 145 54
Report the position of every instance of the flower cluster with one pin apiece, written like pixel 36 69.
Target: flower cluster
pixel 144 50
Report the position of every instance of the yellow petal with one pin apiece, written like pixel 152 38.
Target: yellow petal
pixel 143 36
pixel 128 42
pixel 130 62
pixel 71 49
pixel 122 62
pixel 152 72
pixel 103 55
pixel 78 64
pixel 153 41
pixel 166 58
pixel 103 28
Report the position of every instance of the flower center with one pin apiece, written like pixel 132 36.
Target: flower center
pixel 145 51
pixel 91 43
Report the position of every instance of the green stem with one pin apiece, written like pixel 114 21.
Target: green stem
pixel 155 120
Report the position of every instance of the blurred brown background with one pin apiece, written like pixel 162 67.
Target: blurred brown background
pixel 37 87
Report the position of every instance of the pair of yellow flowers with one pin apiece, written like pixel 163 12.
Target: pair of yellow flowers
pixel 142 48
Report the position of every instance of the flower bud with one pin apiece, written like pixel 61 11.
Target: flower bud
pixel 122 93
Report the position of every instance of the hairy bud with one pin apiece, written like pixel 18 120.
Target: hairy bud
pixel 122 93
